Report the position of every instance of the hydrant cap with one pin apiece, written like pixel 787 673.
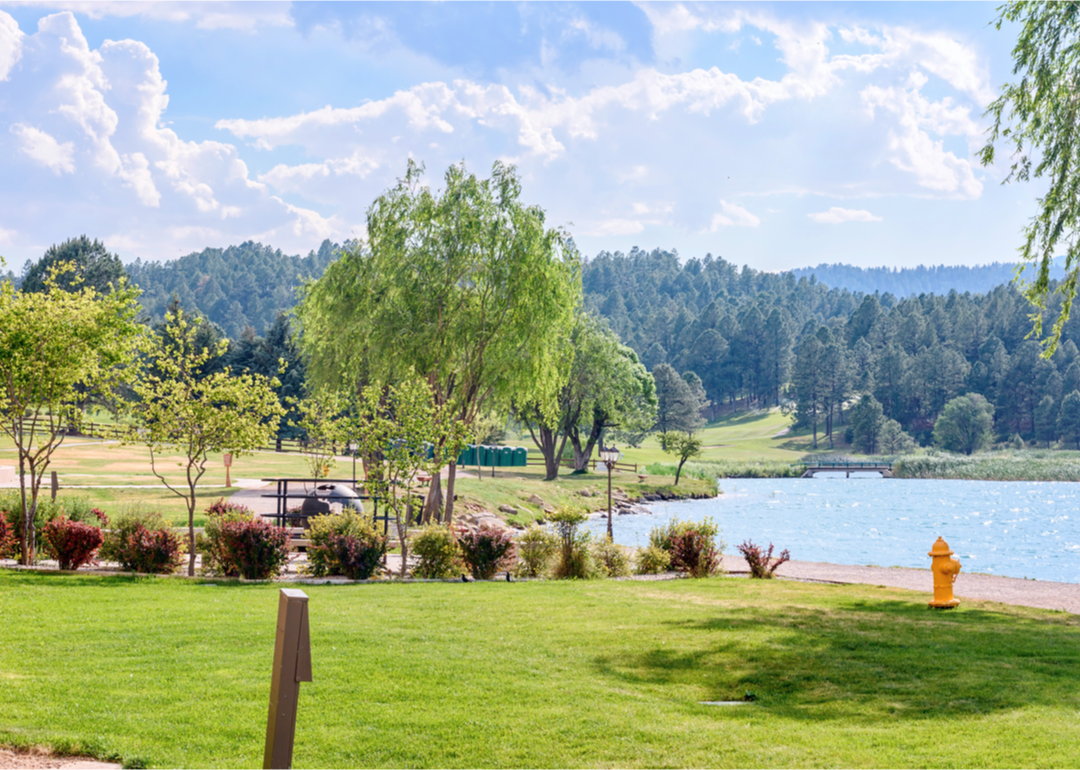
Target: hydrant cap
pixel 941 548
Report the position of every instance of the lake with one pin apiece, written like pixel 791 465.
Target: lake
pixel 1013 528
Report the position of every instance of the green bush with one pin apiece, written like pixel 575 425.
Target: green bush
pixel 346 544
pixel 437 552
pixel 141 540
pixel 610 559
pixel 536 547
pixel 574 559
pixel 693 546
pixel 653 561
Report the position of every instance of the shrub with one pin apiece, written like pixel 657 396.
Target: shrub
pixel 437 552
pixel 142 541
pixel 762 565
pixel 253 549
pixel 225 508
pixel 72 508
pixel 653 561
pixel 694 553
pixel 535 548
pixel 610 559
pixel 575 561
pixel 211 544
pixel 71 543
pixel 661 537
pixel 9 543
pixel 346 544
pixel 485 551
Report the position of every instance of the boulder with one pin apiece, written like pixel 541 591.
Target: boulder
pixel 508 509
pixel 536 500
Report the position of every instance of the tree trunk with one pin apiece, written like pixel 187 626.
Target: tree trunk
pixel 434 502
pixel 26 540
pixel 548 443
pixel 448 508
pixel 678 471
pixel 191 535
pixel 582 456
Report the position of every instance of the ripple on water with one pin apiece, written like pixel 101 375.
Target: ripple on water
pixel 891 521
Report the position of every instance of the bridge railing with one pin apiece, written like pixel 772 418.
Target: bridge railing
pixel 843 465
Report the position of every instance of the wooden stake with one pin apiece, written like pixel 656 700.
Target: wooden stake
pixel 292 665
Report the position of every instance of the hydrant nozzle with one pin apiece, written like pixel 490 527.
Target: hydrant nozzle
pixel 945 570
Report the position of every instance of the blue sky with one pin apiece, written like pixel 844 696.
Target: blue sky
pixel 775 135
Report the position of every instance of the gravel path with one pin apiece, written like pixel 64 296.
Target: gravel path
pixel 993 588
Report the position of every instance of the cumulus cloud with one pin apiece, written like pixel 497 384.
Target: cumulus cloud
pixel 100 112
pixel 837 215
pixel 245 16
pixel 732 215
pixel 616 226
pixel 11 38
pixel 44 149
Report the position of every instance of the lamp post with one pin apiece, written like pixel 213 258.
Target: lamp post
pixel 609 455
pixel 352 450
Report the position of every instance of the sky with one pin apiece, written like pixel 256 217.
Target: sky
pixel 775 135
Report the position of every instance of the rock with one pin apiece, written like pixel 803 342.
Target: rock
pixel 549 509
pixel 536 500
pixel 508 509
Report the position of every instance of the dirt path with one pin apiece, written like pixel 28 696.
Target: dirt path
pixel 1028 593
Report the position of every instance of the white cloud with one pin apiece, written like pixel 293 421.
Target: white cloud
pixel 44 149
pixel 732 215
pixel 914 151
pixel 102 110
pixel 11 42
pixel 597 37
pixel 608 227
pixel 7 236
pixel 244 16
pixel 837 215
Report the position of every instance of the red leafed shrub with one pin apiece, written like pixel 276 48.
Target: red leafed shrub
pixel 693 552
pixel 762 564
pixel 8 540
pixel 485 551
pixel 152 551
pixel 221 507
pixel 253 549
pixel 71 543
pixel 101 516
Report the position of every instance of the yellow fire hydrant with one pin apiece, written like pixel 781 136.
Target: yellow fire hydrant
pixel 945 570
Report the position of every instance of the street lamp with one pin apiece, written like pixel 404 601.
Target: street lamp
pixel 609 456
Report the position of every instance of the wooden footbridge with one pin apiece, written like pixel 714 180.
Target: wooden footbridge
pixel 810 468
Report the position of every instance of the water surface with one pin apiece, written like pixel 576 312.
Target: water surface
pixel 1015 528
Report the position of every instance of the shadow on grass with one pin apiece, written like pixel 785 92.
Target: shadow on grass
pixel 89 580
pixel 868 661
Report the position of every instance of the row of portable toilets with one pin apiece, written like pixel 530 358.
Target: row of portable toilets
pixel 493 456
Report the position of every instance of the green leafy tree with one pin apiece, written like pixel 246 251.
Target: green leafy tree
pixel 1036 118
pixel 57 346
pixel 1068 424
pixel 606 387
pixel 892 440
pixel 406 431
pixel 1046 414
pixel 684 446
pixel 91 265
pixel 326 430
pixel 866 423
pixel 965 425
pixel 811 383
pixel 678 406
pixel 183 411
pixel 467 289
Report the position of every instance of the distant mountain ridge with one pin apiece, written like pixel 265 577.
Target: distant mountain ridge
pixel 907 281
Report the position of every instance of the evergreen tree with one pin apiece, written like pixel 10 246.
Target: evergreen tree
pixel 866 424
pixel 94 266
pixel 678 407
pixel 1068 423
pixel 1046 421
pixel 965 424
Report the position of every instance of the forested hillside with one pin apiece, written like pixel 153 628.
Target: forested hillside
pixel 908 281
pixel 759 336
pixel 237 287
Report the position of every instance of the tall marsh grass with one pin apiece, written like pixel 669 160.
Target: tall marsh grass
pixel 710 470
pixel 1022 465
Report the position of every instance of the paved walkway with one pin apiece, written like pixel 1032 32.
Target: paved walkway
pixel 1028 593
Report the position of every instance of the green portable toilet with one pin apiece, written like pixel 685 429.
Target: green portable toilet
pixel 467 456
pixel 487 456
pixel 520 456
pixel 506 456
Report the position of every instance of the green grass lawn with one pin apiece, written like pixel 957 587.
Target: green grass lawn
pixel 573 674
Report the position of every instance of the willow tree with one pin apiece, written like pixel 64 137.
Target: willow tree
pixel 57 347
pixel 466 288
pixel 605 386
pixel 1036 119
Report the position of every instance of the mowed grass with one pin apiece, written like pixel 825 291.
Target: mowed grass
pixel 543 674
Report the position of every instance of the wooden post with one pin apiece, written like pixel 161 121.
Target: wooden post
pixel 292 665
pixel 55 482
pixel 227 457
